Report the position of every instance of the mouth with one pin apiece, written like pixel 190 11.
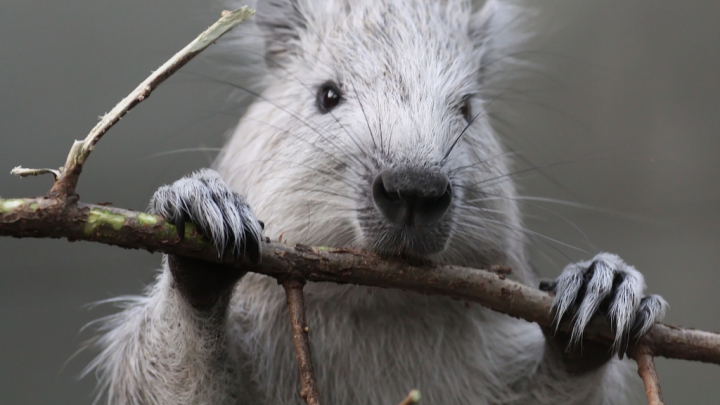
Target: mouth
pixel 407 241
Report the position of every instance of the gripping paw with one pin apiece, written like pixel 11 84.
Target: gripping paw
pixel 220 214
pixel 611 286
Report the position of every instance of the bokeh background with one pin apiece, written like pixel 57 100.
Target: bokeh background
pixel 618 113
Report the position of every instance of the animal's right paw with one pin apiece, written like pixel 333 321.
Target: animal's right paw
pixel 219 213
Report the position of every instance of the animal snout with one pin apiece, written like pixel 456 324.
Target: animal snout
pixel 412 197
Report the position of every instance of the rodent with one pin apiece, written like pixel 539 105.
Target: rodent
pixel 370 132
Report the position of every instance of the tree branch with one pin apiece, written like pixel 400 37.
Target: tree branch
pixel 309 391
pixel 53 218
pixel 646 369
pixel 66 177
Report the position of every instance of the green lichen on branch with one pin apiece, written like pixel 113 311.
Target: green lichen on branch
pixel 8 206
pixel 57 218
pixel 99 217
pixel 63 218
pixel 147 219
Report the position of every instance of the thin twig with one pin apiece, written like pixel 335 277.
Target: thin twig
pixel 412 398
pixel 51 218
pixel 309 391
pixel 67 177
pixel 23 172
pixel 646 369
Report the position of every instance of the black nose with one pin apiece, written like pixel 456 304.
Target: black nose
pixel 411 197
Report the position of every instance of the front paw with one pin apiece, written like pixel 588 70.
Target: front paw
pixel 609 285
pixel 219 213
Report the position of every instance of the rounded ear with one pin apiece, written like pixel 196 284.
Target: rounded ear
pixel 280 22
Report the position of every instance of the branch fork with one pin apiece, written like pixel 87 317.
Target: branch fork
pixel 66 177
pixel 646 370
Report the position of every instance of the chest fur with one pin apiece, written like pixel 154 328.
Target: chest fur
pixel 372 346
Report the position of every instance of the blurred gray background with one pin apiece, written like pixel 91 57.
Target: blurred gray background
pixel 619 112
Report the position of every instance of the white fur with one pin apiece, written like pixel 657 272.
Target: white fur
pixel 404 67
pixel 627 302
pixel 158 350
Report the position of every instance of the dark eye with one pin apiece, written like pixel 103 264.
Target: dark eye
pixel 466 109
pixel 328 97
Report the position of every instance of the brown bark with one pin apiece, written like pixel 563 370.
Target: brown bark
pixel 58 218
pixel 646 370
pixel 309 391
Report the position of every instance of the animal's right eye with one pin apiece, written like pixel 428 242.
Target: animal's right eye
pixel 328 97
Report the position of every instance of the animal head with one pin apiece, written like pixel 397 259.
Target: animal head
pixel 372 131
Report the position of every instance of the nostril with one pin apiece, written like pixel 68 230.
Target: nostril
pixel 412 197
pixel 393 195
pixel 388 201
pixel 431 209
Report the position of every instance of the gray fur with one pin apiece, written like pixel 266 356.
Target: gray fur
pixel 205 200
pixel 405 69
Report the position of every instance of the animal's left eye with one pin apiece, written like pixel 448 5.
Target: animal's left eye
pixel 328 97
pixel 466 109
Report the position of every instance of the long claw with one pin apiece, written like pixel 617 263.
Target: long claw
pixel 180 220
pixel 652 309
pixel 252 247
pixel 605 285
pixel 549 286
pixel 219 214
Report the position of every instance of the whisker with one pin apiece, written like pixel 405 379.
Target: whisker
pixel 312 93
pixel 367 122
pixel 285 110
pixel 313 144
pixel 556 214
pixel 533 234
pixel 470 166
pixel 478 115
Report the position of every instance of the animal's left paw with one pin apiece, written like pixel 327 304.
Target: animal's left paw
pixel 609 285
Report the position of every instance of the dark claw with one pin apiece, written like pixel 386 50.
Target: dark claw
pixel 641 318
pixel 637 326
pixel 623 344
pixel 610 287
pixel 252 247
pixel 548 285
pixel 219 214
pixel 180 220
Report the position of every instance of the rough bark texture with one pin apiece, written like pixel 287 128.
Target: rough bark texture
pixel 646 370
pixel 64 218
pixel 309 391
